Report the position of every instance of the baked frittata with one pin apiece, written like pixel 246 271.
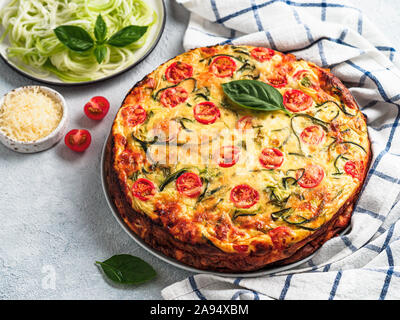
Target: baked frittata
pixel 232 187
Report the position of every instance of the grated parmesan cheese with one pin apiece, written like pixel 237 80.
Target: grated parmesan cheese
pixel 29 114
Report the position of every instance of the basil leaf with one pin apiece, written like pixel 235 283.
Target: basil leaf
pixel 254 94
pixel 100 53
pixel 127 36
pixel 100 29
pixel 75 38
pixel 127 269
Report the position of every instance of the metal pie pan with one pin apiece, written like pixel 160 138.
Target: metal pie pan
pixel 176 263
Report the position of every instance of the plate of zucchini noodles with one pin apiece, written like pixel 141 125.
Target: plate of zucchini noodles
pixel 73 42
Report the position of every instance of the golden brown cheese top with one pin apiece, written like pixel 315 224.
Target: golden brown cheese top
pixel 240 179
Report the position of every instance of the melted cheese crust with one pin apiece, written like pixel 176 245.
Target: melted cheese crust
pixel 282 202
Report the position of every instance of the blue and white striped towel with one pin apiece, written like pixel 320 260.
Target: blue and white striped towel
pixel 364 263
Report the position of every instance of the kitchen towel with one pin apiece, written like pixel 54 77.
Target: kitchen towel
pixel 365 262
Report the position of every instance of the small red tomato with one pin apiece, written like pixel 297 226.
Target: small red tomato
pixel 310 177
pixel 178 71
pixel 228 156
pixel 206 112
pixel 143 189
pixel 271 158
pixel 296 100
pixel 209 50
pixel 280 236
pixel 223 66
pixel 78 139
pixel 262 54
pixel 354 169
pixel 244 196
pixel 189 184
pixel 97 108
pixel 171 97
pixel 312 135
pixel 244 123
pixel 134 115
pixel 278 81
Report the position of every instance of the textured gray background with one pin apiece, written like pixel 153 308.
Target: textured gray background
pixel 52 208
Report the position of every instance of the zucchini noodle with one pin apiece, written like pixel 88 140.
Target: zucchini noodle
pixel 29 25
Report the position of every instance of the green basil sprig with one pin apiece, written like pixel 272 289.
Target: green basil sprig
pixel 254 94
pixel 127 269
pixel 79 40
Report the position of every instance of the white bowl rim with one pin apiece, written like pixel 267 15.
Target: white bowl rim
pixel 51 134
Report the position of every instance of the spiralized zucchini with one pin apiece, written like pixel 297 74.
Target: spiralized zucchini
pixel 29 25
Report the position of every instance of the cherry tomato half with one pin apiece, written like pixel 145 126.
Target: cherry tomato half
pixel 171 97
pixel 296 101
pixel 228 156
pixel 271 158
pixel 244 123
pixel 206 112
pixel 134 115
pixel 143 189
pixel 178 71
pixel 280 236
pixel 310 177
pixel 223 66
pixel 189 184
pixel 244 196
pixel 312 135
pixel 78 140
pixel 209 50
pixel 278 81
pixel 305 78
pixel 300 74
pixel 97 108
pixel 354 168
pixel 262 54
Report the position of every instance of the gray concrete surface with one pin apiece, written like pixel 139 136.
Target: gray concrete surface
pixel 54 218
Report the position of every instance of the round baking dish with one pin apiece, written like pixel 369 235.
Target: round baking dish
pixel 143 244
pixel 46 142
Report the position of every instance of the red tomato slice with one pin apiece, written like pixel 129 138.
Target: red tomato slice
pixel 271 158
pixel 206 112
pixel 278 81
pixel 296 101
pixel 312 135
pixel 310 177
pixel 209 50
pixel 244 196
pixel 97 108
pixel 300 74
pixel 171 97
pixel 134 115
pixel 143 189
pixel 280 236
pixel 189 184
pixel 241 247
pixel 355 169
pixel 262 54
pixel 178 71
pixel 223 66
pixel 244 123
pixel 78 140
pixel 228 156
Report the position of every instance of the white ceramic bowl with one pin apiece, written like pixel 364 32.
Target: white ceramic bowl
pixel 46 142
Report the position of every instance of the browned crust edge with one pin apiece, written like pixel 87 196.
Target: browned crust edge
pixel 208 257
